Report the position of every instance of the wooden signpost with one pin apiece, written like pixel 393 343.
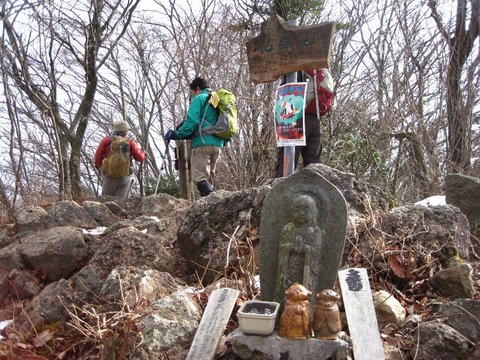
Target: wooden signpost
pixel 361 318
pixel 215 317
pixel 281 49
pixel 183 158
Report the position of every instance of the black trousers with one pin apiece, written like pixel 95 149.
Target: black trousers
pixel 311 152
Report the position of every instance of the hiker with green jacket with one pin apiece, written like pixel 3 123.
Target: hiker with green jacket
pixel 205 147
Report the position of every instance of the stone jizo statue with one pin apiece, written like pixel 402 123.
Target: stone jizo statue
pixel 300 242
pixel 302 235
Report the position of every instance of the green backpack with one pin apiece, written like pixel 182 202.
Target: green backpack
pixel 226 126
pixel 117 163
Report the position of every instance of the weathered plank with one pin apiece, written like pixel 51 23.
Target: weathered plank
pixel 215 317
pixel 281 49
pixel 183 158
pixel 361 318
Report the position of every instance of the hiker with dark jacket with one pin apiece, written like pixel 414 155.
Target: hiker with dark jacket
pixel 312 151
pixel 205 147
pixel 117 182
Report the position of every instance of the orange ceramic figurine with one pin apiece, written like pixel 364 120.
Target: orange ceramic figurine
pixel 326 317
pixel 295 319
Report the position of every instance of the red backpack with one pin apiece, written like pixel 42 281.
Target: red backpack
pixel 324 91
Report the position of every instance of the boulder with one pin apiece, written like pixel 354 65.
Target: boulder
pixel 57 252
pixel 442 230
pixel 69 213
pixel 463 191
pixel 100 212
pixel 440 342
pixel 455 281
pixel 463 315
pixel 32 218
pixel 204 235
pixel 388 309
pixel 169 328
pixel 129 284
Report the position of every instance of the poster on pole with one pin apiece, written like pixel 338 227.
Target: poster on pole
pixel 290 114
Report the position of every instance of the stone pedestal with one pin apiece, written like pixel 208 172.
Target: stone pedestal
pixel 274 347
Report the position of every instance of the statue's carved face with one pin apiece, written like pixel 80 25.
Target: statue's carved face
pixel 303 209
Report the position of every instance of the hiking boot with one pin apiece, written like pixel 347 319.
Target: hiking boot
pixel 204 187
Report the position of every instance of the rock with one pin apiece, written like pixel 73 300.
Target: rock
pixel 23 284
pixel 32 218
pixel 162 206
pixel 440 342
pixel 475 354
pixel 142 223
pixel 69 213
pixel 125 247
pixel 128 284
pixel 100 212
pixel 7 235
pixel 365 201
pixel 169 328
pixel 130 247
pixel 274 347
pixel 391 352
pixel 116 209
pixel 48 307
pixel 57 252
pixel 463 315
pixel 442 229
pixel 388 309
pixel 455 281
pixel 11 258
pixel 203 236
pixel 464 192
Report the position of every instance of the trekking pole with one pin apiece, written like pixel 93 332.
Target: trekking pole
pixel 162 166
pixel 132 180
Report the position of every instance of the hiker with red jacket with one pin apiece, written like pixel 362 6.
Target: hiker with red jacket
pixel 114 157
pixel 319 100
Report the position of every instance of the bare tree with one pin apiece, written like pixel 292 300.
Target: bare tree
pixel 460 42
pixel 42 56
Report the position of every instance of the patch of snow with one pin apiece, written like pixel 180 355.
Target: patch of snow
pixel 432 201
pixel 3 325
pixel 97 231
pixel 256 280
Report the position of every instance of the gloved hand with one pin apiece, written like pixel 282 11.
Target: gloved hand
pixel 171 135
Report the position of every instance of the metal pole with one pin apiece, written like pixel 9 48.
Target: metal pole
pixel 289 151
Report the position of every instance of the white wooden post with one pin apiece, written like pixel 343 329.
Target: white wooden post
pixel 361 318
pixel 215 317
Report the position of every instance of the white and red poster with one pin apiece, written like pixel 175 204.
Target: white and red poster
pixel 290 114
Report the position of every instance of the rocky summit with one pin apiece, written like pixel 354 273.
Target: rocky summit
pixel 105 278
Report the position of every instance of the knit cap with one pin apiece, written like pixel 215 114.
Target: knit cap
pixel 120 126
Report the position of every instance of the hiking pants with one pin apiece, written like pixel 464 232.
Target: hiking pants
pixel 203 161
pixel 116 186
pixel 311 152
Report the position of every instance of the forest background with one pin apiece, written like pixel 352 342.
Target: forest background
pixel 407 78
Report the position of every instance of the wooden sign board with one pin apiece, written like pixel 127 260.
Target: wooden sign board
pixel 281 49
pixel 361 317
pixel 211 327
